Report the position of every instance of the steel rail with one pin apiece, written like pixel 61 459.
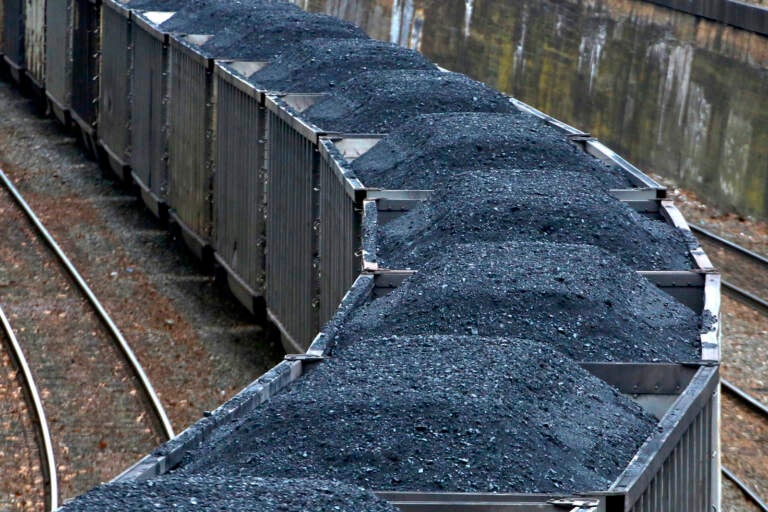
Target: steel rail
pixel 727 243
pixel 738 292
pixel 114 330
pixel 745 296
pixel 745 398
pixel 744 488
pixel 48 462
pixel 761 409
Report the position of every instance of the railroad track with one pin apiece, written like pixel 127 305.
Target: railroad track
pixel 752 299
pixel 100 377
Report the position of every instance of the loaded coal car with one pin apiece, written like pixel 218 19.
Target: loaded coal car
pixel 564 194
pixel 146 130
pixel 272 28
pixel 115 93
pixel 206 35
pixel 443 413
pixel 311 68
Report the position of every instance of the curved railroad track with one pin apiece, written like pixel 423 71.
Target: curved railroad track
pixel 37 413
pixel 108 399
pixel 754 299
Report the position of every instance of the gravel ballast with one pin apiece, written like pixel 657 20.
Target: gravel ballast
pixel 423 151
pixel 210 493
pixel 319 65
pixel 576 298
pixel 441 413
pixel 378 101
pixel 528 205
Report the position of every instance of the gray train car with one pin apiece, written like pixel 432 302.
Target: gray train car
pixel 13 37
pixel 117 67
pixel 148 109
pixel 86 50
pixel 24 43
pixel 190 143
pixel 35 43
pixel 115 94
pixel 58 59
pixel 239 188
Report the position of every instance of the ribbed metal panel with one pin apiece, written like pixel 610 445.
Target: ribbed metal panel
pixel 58 52
pixel 148 112
pixel 685 481
pixel 239 193
pixel 114 95
pixel 13 32
pixel 291 237
pixel 34 40
pixel 189 140
pixel 85 61
pixel 339 240
pixel 678 467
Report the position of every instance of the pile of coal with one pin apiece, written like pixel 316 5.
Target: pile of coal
pixel 211 17
pixel 421 153
pixel 438 413
pixel 379 101
pixel 576 298
pixel 209 493
pixel 528 205
pixel 274 31
pixel 319 65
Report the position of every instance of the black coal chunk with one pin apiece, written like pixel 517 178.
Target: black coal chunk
pixel 426 149
pixel 319 65
pixel 378 101
pixel 214 16
pixel 439 413
pixel 526 205
pixel 211 493
pixel 576 298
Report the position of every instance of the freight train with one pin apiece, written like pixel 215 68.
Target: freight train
pixel 484 308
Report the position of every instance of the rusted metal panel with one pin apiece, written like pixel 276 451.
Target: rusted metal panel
pixel 34 41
